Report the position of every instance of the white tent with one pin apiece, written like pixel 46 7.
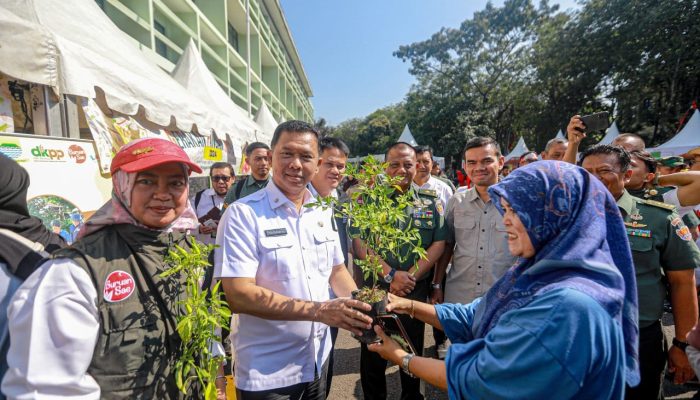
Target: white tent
pixel 407 137
pixel 560 135
pixel 685 140
pixel 519 149
pixel 194 75
pixel 73 47
pixel 267 122
pixel 610 134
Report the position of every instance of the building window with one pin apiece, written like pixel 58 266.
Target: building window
pixel 161 47
pixel 232 36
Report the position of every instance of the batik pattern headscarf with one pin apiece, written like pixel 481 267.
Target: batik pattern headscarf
pixel 116 211
pixel 571 218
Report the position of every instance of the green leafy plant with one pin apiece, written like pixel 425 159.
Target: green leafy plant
pixel 376 214
pixel 202 312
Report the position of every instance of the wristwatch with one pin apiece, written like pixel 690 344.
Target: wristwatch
pixel 436 286
pixel 404 364
pixel 390 276
pixel 681 345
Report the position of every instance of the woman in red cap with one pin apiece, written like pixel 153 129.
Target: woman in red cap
pixel 97 320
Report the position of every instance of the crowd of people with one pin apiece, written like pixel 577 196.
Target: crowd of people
pixel 545 281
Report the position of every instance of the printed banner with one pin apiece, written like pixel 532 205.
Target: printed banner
pixel 7 123
pixel 110 134
pixel 65 183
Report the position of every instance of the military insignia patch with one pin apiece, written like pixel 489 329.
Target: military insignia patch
pixel 438 206
pixel 634 224
pixel 684 233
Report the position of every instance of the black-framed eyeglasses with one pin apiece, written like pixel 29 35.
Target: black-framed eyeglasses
pixel 222 178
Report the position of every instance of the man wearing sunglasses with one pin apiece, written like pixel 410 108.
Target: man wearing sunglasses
pixel 208 203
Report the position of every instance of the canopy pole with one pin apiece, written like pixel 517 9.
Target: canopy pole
pixel 247 38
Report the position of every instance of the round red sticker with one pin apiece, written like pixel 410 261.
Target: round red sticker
pixel 119 285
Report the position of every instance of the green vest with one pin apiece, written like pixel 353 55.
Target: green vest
pixel 138 343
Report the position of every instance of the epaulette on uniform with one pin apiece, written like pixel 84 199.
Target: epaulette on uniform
pixel 428 192
pixel 665 206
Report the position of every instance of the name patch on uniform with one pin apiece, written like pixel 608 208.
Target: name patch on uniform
pixel 119 285
pixel 275 232
pixel 639 232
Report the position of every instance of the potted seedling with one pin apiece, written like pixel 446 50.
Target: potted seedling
pixel 202 314
pixel 376 215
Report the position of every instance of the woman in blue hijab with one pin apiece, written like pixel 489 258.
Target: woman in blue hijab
pixel 562 322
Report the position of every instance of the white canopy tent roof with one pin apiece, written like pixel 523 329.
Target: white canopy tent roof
pixel 194 75
pixel 560 135
pixel 267 122
pixel 407 137
pixel 519 149
pixel 73 47
pixel 685 140
pixel 610 134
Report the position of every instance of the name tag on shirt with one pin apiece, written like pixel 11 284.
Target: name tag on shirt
pixel 275 232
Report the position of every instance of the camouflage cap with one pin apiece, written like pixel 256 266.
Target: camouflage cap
pixel 672 161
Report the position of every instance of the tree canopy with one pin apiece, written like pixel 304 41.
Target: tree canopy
pixel 525 69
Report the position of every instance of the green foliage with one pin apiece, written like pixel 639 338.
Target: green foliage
pixel 377 215
pixel 200 316
pixel 524 68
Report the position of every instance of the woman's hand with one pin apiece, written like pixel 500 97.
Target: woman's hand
pixel 399 305
pixel 388 349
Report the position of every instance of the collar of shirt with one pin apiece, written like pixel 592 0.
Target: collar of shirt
pixel 314 192
pixel 277 198
pixel 212 193
pixel 626 203
pixel 473 195
pixel 250 181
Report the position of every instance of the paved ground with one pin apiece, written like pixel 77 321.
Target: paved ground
pixel 346 382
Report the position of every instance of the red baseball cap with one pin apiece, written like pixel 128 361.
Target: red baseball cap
pixel 142 154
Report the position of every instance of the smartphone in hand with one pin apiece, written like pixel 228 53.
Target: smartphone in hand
pixel 596 122
pixel 392 326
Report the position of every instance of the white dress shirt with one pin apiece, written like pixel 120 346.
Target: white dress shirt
pixel 53 330
pixel 262 236
pixel 443 191
pixel 207 201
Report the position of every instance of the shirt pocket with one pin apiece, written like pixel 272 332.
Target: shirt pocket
pixel 641 244
pixel 324 243
pixel 496 238
pixel 278 258
pixel 465 231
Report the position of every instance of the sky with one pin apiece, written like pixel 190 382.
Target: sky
pixel 346 47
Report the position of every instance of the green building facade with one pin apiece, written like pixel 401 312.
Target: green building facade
pixel 262 66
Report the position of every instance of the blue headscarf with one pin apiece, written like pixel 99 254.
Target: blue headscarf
pixel 572 220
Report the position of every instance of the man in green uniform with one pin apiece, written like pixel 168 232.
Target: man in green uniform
pixel 411 278
pixel 663 251
pixel 258 158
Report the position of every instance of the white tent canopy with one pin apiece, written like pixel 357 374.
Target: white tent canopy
pixel 267 122
pixel 685 140
pixel 519 149
pixel 73 47
pixel 560 135
pixel 194 75
pixel 407 137
pixel 610 134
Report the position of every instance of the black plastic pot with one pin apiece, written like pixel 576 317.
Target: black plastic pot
pixel 378 308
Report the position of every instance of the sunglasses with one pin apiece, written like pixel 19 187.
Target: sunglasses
pixel 222 178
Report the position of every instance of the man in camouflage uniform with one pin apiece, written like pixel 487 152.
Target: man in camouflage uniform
pixel 411 278
pixel 663 252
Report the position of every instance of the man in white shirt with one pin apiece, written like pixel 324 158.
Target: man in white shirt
pixel 278 260
pixel 425 180
pixel 208 203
